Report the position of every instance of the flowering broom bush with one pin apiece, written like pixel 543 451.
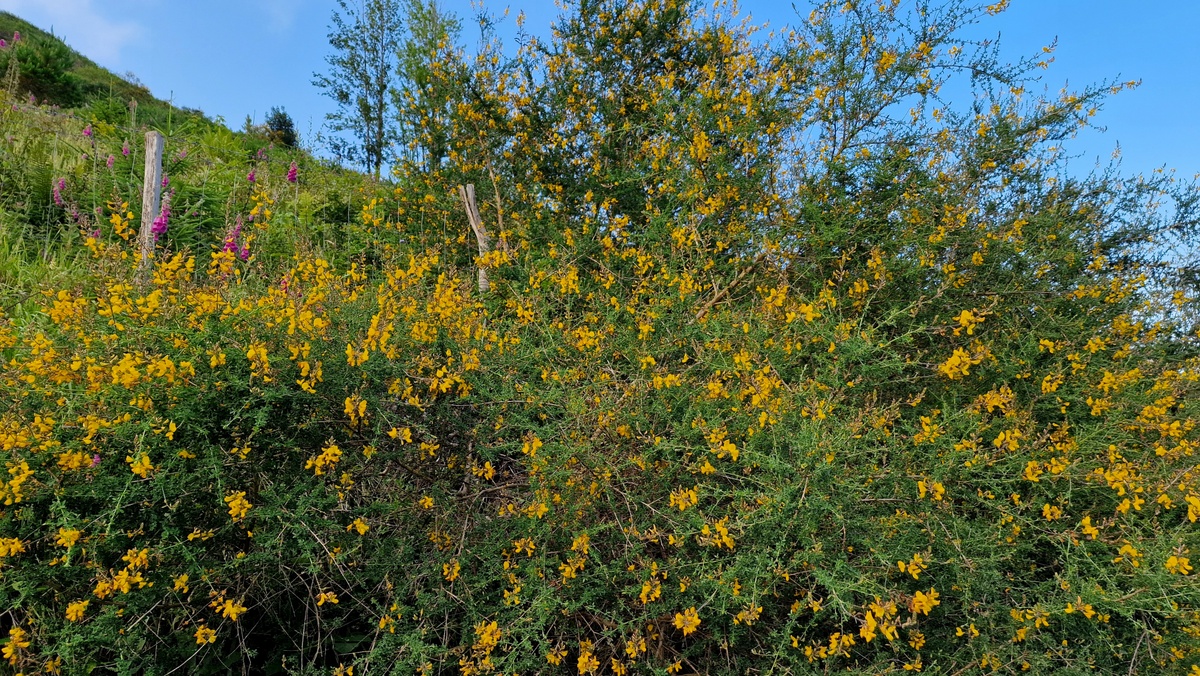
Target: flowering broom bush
pixel 785 366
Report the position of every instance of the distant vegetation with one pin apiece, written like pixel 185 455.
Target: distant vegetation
pixel 743 354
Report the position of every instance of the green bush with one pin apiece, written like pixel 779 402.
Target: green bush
pixel 784 366
pixel 44 70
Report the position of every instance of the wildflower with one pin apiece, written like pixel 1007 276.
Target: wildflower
pixel 141 465
pixel 18 639
pixel 688 620
pixel 67 537
pixel 1179 565
pixel 111 160
pixel 250 176
pixel 231 610
pixel 238 505
pixel 159 227
pixel 205 635
pixel 291 175
pixel 56 192
pixel 75 610
pixel 923 603
pixel 87 131
pixel 125 149
pixel 327 597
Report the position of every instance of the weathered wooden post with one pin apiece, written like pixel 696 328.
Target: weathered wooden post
pixel 151 196
pixel 467 195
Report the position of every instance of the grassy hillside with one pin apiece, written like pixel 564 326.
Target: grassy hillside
pixel 103 93
pixel 67 167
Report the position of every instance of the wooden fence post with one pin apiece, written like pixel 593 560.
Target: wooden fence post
pixel 151 196
pixel 467 195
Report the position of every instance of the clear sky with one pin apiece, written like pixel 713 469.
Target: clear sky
pixel 235 58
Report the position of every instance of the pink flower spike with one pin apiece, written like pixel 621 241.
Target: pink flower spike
pixel 87 131
pixel 16 37
pixel 95 459
pixel 291 176
pixel 125 149
pixel 250 176
pixel 111 159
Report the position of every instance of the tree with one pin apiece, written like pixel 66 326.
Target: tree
pixel 44 67
pixel 281 127
pixel 365 36
pixel 432 79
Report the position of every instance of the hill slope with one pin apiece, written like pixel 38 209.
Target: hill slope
pixel 91 86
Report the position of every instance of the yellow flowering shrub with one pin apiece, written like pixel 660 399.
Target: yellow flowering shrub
pixel 784 365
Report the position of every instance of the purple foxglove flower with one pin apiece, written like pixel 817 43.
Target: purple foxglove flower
pixel 16 37
pixel 111 160
pixel 3 43
pixel 57 192
pixel 95 459
pixel 250 176
pixel 160 225
pixel 291 176
pixel 125 149
pixel 87 131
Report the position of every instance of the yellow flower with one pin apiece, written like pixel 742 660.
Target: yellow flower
pixel 67 537
pixel 17 640
pixel 75 610
pixel 205 635
pixel 923 603
pixel 556 656
pixel 141 465
pixel 426 502
pixel 229 609
pixel 238 505
pixel 688 620
pixel 359 525
pixel 1179 565
pixel 327 597
pixel 1088 529
pixel 181 583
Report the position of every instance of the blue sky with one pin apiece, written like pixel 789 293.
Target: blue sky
pixel 235 58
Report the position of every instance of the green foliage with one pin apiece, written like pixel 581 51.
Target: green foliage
pixel 365 37
pixel 43 69
pixel 787 365
pixel 282 128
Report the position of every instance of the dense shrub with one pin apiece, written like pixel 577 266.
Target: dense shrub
pixel 43 68
pixel 281 127
pixel 786 366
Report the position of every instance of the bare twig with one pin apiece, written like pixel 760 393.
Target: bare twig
pixel 725 292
